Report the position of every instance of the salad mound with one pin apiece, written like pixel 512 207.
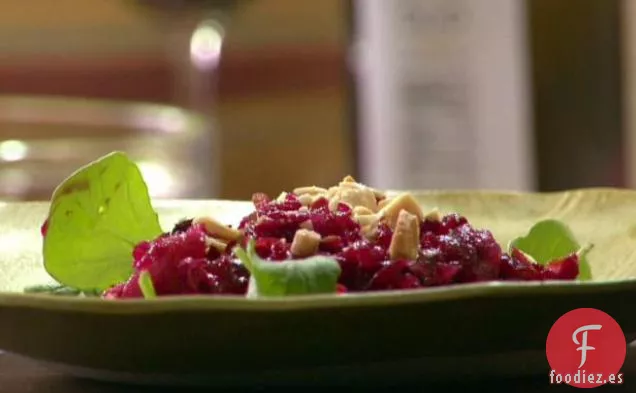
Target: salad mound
pixel 378 243
pixel 346 238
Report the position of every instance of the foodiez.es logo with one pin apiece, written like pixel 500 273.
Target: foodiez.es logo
pixel 586 348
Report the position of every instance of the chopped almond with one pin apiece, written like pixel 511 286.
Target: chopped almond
pixel 406 237
pixel 331 192
pixel 362 211
pixel 368 219
pixel 216 229
pixel 354 197
pixel 351 185
pixel 305 199
pixel 305 243
pixel 433 215
pixel 370 231
pixel 311 190
pixel 378 194
pixel 216 243
pixel 405 201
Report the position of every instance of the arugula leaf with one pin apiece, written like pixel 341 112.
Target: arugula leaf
pixel 96 218
pixel 61 290
pixel 548 240
pixel 146 285
pixel 317 274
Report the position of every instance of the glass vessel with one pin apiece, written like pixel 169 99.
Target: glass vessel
pixel 43 140
pixel 195 31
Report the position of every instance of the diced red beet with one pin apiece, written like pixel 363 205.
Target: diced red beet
pixel 431 228
pixel 220 276
pixel 513 268
pixel 475 251
pixel 359 262
pixel 429 241
pixel 564 269
pixel 272 248
pixel 453 221
pixel 384 235
pixel 233 277
pixel 435 273
pixel 446 272
pixel 394 275
pixel 339 223
pixel 252 217
pixel 290 203
pixel 332 244
pixel 140 250
pixel 213 253
pixel 344 208
pixel 182 226
pixel 114 292
pixel 320 204
pixel 520 256
pixel 260 200
pixel 194 276
pixel 129 289
pixel 278 224
pixel 164 255
pixel 229 248
pixel 409 281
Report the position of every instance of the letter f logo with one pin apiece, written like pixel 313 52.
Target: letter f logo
pixel 583 344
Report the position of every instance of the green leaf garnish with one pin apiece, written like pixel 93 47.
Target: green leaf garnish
pixel 312 275
pixel 96 218
pixel 548 240
pixel 146 285
pixel 60 290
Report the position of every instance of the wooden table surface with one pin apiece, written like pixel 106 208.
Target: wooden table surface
pixel 18 375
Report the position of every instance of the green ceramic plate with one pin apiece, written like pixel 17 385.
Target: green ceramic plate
pixel 497 328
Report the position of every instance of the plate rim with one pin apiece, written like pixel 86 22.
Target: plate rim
pixel 494 289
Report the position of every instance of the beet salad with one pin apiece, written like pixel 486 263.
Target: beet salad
pixel 343 239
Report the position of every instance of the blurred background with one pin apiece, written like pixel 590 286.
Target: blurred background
pixel 222 98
